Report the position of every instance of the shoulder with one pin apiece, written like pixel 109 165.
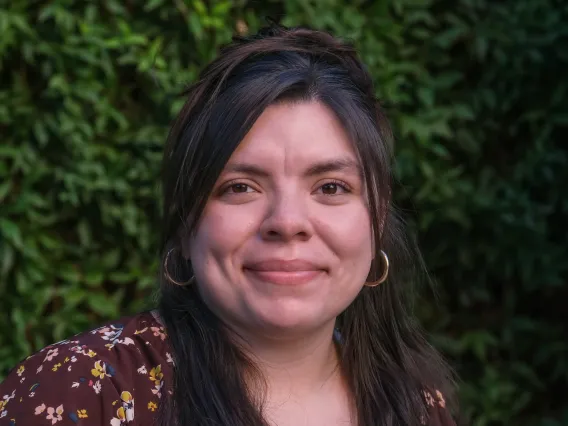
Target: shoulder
pixel 438 413
pixel 95 376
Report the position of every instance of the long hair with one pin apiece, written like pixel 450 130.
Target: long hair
pixel 383 354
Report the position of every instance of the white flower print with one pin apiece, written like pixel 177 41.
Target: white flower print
pixel 126 341
pixel 158 332
pixel 126 412
pixel 52 353
pixel 110 333
pixel 54 414
pixel 142 370
pixel 9 397
pixel 157 389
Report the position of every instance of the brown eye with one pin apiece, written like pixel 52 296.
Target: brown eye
pixel 334 188
pixel 239 188
pixel 329 188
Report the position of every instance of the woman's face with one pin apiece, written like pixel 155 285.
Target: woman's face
pixel 285 242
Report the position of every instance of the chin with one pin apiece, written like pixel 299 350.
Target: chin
pixel 287 319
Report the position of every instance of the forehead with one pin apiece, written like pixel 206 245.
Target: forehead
pixel 293 134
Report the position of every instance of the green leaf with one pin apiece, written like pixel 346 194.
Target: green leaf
pixel 11 232
pixel 101 304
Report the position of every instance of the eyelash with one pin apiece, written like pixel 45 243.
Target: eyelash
pixel 230 184
pixel 339 183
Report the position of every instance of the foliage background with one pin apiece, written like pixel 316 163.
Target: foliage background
pixel 478 96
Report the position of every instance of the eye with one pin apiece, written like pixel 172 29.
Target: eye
pixel 334 188
pixel 237 188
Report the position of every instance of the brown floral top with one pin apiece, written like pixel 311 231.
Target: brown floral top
pixel 113 375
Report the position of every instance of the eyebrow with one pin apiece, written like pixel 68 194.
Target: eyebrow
pixel 337 165
pixel 247 169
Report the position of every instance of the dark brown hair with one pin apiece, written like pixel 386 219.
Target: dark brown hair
pixel 383 354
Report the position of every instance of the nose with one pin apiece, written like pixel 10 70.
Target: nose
pixel 287 220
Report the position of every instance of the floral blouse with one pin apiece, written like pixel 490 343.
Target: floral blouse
pixel 112 375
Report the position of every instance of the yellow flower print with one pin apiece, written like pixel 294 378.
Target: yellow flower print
pixel 126 412
pixel 156 375
pixel 120 417
pixel 21 370
pixel 99 370
pixel 91 353
pixel 128 404
pixel 4 402
pixel 82 414
pixel 152 406
pixel 441 400
pixel 56 366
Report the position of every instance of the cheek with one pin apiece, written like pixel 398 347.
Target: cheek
pixel 348 231
pixel 222 232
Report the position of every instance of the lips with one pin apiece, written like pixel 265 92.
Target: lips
pixel 284 272
pixel 295 265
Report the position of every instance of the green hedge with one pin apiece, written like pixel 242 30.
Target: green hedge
pixel 477 92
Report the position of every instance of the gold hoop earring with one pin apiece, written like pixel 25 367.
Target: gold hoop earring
pixel 167 273
pixel 385 274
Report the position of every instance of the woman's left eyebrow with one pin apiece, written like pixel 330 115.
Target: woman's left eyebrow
pixel 345 165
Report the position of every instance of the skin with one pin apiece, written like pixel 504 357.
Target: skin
pixel 283 247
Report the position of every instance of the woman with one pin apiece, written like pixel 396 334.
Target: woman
pixel 284 268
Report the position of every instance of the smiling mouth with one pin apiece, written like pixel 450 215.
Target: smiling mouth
pixel 285 277
pixel 284 272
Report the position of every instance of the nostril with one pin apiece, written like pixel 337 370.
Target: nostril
pixel 286 227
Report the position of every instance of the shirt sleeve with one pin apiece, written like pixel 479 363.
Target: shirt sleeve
pixel 64 384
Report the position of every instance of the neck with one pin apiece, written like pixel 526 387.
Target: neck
pixel 297 364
